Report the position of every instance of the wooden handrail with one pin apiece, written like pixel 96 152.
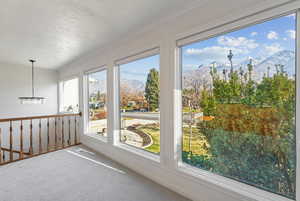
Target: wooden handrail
pixel 40 117
pixel 61 133
pixel 14 151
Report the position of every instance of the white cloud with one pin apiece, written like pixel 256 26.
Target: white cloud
pixel 272 35
pixel 273 48
pixel 254 33
pixel 213 53
pixel 240 42
pixel 238 45
pixel 291 34
pixel 284 38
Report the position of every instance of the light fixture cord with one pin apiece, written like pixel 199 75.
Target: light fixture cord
pixel 32 78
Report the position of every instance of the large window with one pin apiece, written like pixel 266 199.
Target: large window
pixel 238 100
pixel 97 103
pixel 139 104
pixel 69 97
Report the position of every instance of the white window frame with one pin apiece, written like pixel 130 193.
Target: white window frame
pixel 211 178
pixel 61 91
pixel 141 55
pixel 86 102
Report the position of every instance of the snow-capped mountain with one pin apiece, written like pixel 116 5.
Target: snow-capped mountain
pixel 96 85
pixel 285 58
pixel 260 68
pixel 130 86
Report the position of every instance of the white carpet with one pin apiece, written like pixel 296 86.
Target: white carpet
pixel 74 175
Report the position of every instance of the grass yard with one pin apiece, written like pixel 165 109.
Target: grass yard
pixel 154 132
pixel 198 142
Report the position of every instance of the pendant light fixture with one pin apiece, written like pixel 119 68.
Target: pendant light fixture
pixel 32 99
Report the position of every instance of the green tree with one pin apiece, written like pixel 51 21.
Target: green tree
pixel 152 89
pixel 207 103
pixel 98 96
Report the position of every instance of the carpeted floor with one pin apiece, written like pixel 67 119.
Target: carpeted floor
pixel 75 174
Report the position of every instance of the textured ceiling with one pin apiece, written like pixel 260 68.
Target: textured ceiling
pixel 57 31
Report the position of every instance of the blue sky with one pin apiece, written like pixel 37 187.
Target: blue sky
pixel 256 41
pixel 101 75
pixel 139 69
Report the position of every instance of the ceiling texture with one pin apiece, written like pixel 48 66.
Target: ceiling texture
pixel 55 32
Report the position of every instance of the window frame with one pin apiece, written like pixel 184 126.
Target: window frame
pixel 225 183
pixel 61 91
pixel 86 102
pixel 117 64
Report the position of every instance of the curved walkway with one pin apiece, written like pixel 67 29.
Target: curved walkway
pixel 137 138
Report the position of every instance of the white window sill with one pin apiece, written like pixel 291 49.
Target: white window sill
pixel 68 112
pixel 96 136
pixel 140 152
pixel 236 187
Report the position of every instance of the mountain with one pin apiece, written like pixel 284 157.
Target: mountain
pixel 202 74
pixel 96 85
pixel 132 86
pixel 285 58
pixel 129 86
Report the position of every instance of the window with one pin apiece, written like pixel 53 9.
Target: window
pixel 139 104
pixel 238 102
pixel 69 98
pixel 97 103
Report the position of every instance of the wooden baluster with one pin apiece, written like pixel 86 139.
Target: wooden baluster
pixel 40 137
pixel 63 132
pixel 21 156
pixel 55 132
pixel 1 156
pixel 75 125
pixel 69 140
pixel 11 155
pixel 48 135
pixel 30 139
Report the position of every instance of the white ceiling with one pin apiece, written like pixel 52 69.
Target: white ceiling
pixel 57 31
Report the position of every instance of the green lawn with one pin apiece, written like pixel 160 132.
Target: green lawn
pixel 154 132
pixel 197 140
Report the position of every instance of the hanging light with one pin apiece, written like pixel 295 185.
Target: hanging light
pixel 32 99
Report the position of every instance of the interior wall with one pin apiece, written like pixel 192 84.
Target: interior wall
pixel 164 35
pixel 15 81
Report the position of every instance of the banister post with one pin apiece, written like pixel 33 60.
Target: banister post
pixel 1 156
pixel 21 156
pixel 40 137
pixel 10 142
pixel 31 139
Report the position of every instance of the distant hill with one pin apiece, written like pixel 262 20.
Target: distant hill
pixel 202 74
pixel 96 85
pixel 131 86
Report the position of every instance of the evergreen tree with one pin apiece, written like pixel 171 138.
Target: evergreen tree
pixel 250 69
pixel 98 96
pixel 152 89
pixel 207 103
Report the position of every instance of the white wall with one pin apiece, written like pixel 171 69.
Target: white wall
pixel 198 187
pixel 15 81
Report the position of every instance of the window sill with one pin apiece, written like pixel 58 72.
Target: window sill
pixel 139 152
pixel 98 137
pixel 227 184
